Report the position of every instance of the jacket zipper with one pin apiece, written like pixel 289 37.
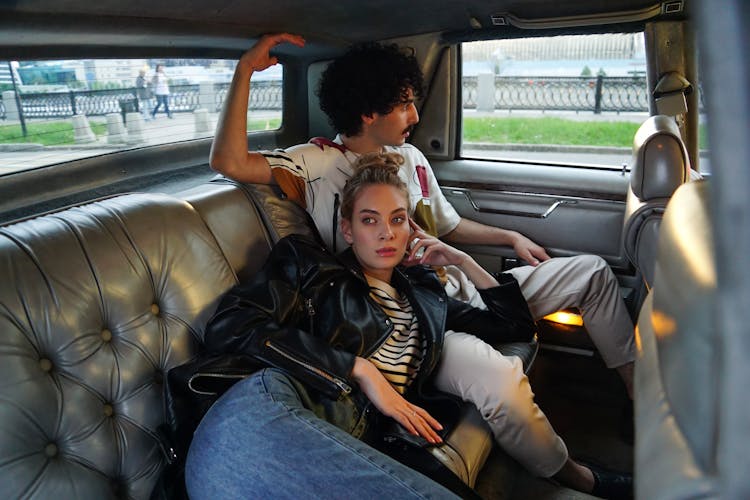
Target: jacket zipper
pixel 389 331
pixel 310 312
pixel 382 341
pixel 346 388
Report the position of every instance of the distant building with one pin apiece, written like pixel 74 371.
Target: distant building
pixel 121 71
pixel 609 46
pixel 42 73
pixel 567 55
pixel 96 74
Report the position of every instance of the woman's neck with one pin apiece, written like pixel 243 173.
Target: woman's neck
pixel 380 274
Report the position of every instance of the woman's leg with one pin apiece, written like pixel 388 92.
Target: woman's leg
pixel 156 108
pixel 166 106
pixel 259 441
pixel 496 384
pixel 474 371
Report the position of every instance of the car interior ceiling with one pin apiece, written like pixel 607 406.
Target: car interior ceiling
pixel 224 28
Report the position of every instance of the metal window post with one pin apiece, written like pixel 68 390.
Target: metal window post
pixel 18 101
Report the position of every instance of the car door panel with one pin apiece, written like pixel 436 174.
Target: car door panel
pixel 569 211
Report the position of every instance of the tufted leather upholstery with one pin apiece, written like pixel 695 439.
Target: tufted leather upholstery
pixel 97 302
pixel 677 363
pixel 660 165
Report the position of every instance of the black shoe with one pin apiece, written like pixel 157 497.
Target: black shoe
pixel 611 485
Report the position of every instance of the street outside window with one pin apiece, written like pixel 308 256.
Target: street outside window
pixel 57 111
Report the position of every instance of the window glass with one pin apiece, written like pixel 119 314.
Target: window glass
pixel 575 99
pixel 56 111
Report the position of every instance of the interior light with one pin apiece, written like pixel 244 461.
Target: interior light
pixel 663 324
pixel 638 341
pixel 565 318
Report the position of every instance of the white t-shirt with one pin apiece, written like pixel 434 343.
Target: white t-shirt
pixel 161 87
pixel 314 174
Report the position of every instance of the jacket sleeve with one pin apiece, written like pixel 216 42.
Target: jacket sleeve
pixel 507 318
pixel 268 320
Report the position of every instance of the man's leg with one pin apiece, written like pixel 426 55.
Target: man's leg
pixel 259 441
pixel 587 283
pixel 472 370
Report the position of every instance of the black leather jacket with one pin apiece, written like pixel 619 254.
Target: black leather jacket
pixel 310 313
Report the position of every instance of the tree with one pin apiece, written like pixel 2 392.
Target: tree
pixel 586 71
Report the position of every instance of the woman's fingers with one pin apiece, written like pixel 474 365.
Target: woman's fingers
pixel 417 421
pixel 415 226
pixel 429 419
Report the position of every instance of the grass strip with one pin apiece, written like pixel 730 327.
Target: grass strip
pixel 55 133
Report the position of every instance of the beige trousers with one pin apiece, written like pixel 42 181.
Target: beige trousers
pixel 497 385
pixel 585 282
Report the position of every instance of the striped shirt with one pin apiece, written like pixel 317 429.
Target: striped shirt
pixel 400 356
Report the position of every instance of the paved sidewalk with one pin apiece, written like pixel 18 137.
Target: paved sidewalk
pixel 17 157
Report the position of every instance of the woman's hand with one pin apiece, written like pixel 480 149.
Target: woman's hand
pixel 439 253
pixel 258 57
pixel 416 420
pixel 428 250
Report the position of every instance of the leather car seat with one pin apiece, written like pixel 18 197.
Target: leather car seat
pixel 679 366
pixel 660 165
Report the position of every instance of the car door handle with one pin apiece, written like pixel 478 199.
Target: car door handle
pixel 516 213
pixel 556 204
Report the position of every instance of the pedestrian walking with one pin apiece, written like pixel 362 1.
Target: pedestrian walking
pixel 161 89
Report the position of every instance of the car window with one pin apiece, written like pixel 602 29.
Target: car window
pixel 576 99
pixel 56 111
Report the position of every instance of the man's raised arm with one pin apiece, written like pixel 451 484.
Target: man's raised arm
pixel 229 154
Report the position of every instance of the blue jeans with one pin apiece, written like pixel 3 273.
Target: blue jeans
pixel 162 99
pixel 259 440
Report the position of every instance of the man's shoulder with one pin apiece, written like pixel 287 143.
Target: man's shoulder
pixel 318 147
pixel 310 159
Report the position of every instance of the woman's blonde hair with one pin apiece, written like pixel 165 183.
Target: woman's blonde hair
pixel 372 168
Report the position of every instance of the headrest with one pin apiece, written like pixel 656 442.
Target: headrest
pixel 660 160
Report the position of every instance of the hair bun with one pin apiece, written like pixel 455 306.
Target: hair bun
pixel 386 162
pixel 371 169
